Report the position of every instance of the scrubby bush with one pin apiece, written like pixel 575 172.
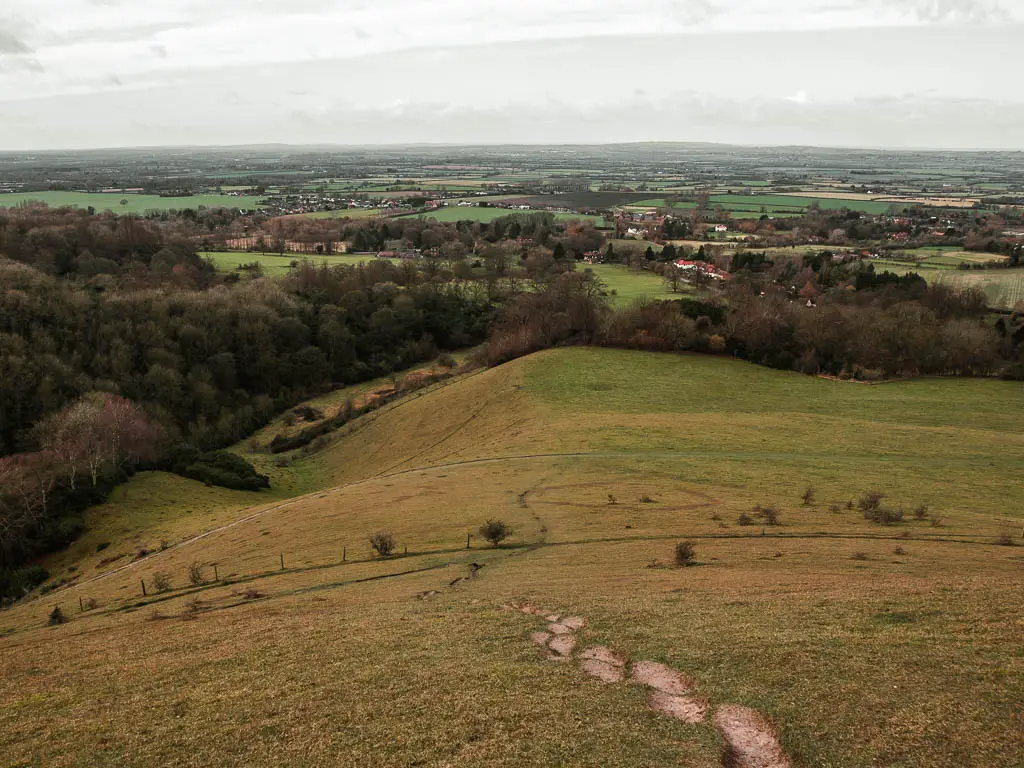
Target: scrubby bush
pixel 859 556
pixel 102 545
pixel 219 468
pixel 57 617
pixel 495 531
pixel 1006 540
pixel 921 512
pixel 195 574
pixel 645 499
pixel 769 514
pixel 899 551
pixel 161 581
pixel 685 553
pixel 745 519
pixel 871 505
pixel 808 497
pixel 383 543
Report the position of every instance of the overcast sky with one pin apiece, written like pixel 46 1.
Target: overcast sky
pixel 104 73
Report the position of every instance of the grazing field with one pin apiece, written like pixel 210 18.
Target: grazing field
pixel 864 644
pixel 1003 287
pixel 274 264
pixel 102 201
pixel 626 285
pixel 486 215
pixel 346 213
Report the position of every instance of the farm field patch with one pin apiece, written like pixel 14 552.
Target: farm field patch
pixel 135 203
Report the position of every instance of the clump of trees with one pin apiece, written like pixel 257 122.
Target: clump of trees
pixel 84 450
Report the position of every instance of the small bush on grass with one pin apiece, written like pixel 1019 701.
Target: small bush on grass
pixel 808 497
pixel 161 581
pixel 936 522
pixel 769 514
pixel 495 531
pixel 1006 540
pixel 921 512
pixel 645 499
pixel 90 604
pixel 102 545
pixel 686 554
pixel 195 574
pixel 899 551
pixel 57 617
pixel 835 509
pixel 859 556
pixel 383 543
pixel 745 519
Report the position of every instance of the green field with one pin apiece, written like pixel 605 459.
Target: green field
pixel 275 265
pixel 773 205
pixel 626 286
pixel 486 215
pixel 136 203
pixel 347 213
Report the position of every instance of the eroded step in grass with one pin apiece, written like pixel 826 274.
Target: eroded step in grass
pixel 661 678
pixel 688 709
pixel 750 739
pixel 603 664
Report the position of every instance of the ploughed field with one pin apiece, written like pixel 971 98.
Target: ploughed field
pixel 826 639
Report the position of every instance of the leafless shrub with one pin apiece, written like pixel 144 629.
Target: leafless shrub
pixel 90 604
pixel 859 556
pixel 383 543
pixel 1005 540
pixel 808 497
pixel 612 499
pixel 936 521
pixel 921 512
pixel 161 581
pixel 645 499
pixel 745 519
pixel 685 553
pixel 769 514
pixel 195 574
pixel 899 551
pixel 835 509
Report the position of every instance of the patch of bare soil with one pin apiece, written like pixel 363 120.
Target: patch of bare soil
pixel 661 678
pixel 604 655
pixel 540 638
pixel 688 709
pixel 749 738
pixel 563 645
pixel 606 673
pixel 603 664
pixel 573 622
pixel 559 629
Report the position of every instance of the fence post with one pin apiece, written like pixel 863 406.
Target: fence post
pixel 81 607
pixel 407 549
pixel 467 540
pixel 216 577
pixel 282 561
pixel 344 554
pixel 143 583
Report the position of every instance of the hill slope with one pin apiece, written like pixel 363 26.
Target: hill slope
pixel 863 642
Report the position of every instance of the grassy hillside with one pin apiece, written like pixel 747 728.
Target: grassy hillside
pixel 865 644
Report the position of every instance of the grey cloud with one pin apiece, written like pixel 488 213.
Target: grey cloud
pixel 692 11
pixel 10 43
pixel 159 51
pixel 967 11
